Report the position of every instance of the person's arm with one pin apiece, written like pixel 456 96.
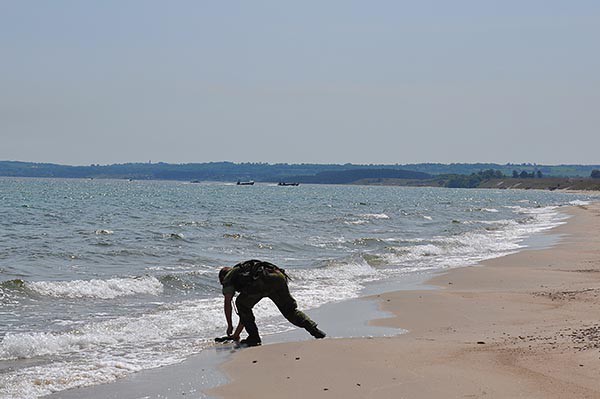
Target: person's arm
pixel 227 308
pixel 238 331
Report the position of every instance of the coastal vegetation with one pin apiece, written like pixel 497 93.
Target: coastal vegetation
pixel 526 176
pixel 473 180
pixel 351 176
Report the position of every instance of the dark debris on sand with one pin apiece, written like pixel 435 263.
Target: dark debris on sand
pixel 583 294
pixel 587 338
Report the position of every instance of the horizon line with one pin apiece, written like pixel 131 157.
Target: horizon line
pixel 301 163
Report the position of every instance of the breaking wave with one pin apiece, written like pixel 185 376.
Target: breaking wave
pixel 496 238
pixel 101 289
pixel 159 336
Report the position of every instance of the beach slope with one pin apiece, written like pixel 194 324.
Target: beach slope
pixel 524 325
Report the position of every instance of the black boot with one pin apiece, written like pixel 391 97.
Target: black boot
pixel 315 332
pixel 252 340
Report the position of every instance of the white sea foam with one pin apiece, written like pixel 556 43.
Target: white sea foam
pixel 327 242
pixel 30 345
pixel 375 216
pixel 37 381
pixel 104 232
pixel 366 218
pixel 358 221
pixel 339 281
pixel 579 203
pixel 189 317
pixel 110 349
pixel 101 289
pixel 474 246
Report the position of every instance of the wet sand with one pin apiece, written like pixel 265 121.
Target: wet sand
pixel 525 325
pixel 194 376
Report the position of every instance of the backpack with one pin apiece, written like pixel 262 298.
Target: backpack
pixel 252 270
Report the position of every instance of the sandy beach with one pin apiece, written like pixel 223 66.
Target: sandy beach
pixel 525 325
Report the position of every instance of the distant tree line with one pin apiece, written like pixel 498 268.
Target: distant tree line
pixel 474 179
pixel 527 175
pixel 265 172
pixel 351 176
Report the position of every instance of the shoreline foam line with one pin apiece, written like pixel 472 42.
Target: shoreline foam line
pixel 193 376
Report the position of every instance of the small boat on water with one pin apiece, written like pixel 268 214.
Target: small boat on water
pixel 287 184
pixel 245 183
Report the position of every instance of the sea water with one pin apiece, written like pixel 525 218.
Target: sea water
pixel 103 278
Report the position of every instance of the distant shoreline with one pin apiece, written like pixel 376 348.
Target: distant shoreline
pixel 549 183
pixel 422 174
pixel 583 185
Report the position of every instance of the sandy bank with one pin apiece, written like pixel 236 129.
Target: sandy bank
pixel 525 325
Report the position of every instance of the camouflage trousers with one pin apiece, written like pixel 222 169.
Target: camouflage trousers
pixel 273 286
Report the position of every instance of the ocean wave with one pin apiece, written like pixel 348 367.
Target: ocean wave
pixel 189 281
pixel 335 281
pixel 10 292
pixel 496 238
pixel 37 381
pixel 328 242
pixel 367 241
pixel 374 216
pixel 363 218
pixel 374 260
pixel 187 318
pixel 357 221
pixel 193 223
pixel 579 203
pixel 100 289
pixel 536 210
pixel 233 236
pixel 173 236
pixel 462 250
pixel 16 284
pixel 34 344
pixel 110 349
pixel 489 210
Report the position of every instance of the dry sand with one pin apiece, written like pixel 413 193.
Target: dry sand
pixel 522 326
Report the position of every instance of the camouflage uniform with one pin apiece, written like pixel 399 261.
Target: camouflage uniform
pixel 256 280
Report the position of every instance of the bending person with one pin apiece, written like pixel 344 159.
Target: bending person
pixel 255 280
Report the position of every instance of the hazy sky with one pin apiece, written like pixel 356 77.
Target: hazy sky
pixel 314 81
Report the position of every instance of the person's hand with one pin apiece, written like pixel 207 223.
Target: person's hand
pixel 229 330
